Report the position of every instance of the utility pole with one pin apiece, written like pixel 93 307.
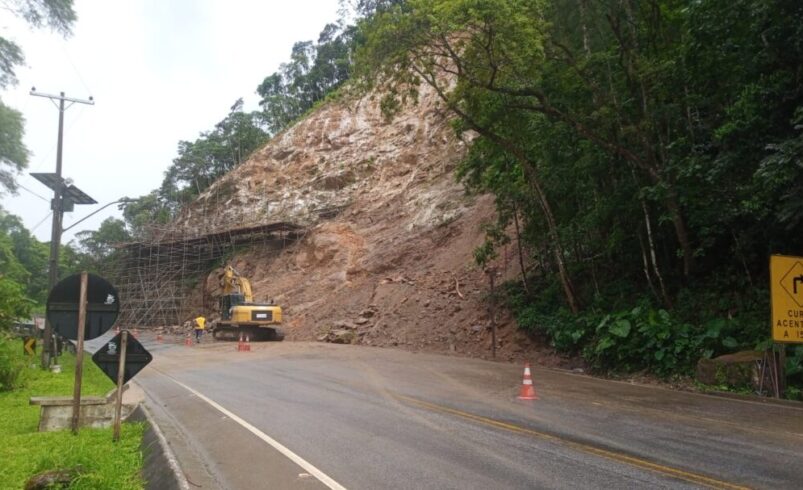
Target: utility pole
pixel 58 213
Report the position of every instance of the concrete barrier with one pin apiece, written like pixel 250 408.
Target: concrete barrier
pixel 95 411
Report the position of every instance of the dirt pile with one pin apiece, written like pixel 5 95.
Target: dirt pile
pixel 387 256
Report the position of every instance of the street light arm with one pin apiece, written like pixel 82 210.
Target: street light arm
pixel 93 213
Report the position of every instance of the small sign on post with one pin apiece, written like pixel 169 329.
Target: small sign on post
pixel 121 359
pixel 107 358
pixel 29 345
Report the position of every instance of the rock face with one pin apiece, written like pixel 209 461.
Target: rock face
pixel 344 155
pixel 390 233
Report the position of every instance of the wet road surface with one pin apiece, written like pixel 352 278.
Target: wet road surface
pixel 312 415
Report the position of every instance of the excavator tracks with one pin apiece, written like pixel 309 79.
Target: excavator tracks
pixel 223 331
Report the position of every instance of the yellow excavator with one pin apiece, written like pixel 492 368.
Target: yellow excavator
pixel 240 315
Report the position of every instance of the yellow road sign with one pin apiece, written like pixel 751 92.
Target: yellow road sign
pixel 786 292
pixel 30 346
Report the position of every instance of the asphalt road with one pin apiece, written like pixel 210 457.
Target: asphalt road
pixel 310 415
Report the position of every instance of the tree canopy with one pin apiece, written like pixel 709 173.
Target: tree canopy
pixel 648 148
pixel 315 69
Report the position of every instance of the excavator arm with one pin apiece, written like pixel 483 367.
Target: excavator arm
pixel 245 288
pixel 232 281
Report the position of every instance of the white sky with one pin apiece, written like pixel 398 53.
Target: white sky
pixel 160 71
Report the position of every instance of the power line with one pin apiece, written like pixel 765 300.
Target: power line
pixel 75 68
pixel 70 124
pixel 43 220
pixel 32 192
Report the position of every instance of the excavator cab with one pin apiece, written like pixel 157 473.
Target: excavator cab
pixel 228 302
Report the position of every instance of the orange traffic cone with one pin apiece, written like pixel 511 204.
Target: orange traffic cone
pixel 240 345
pixel 247 343
pixel 527 391
pixel 188 341
pixel 159 338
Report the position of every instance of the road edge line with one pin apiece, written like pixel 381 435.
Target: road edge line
pixel 306 465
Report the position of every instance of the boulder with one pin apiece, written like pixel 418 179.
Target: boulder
pixel 62 478
pixel 344 324
pixel 340 336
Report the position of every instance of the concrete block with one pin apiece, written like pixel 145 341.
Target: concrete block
pixel 96 412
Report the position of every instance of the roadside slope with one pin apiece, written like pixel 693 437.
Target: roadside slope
pixel 387 256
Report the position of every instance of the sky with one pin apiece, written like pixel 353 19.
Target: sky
pixel 159 72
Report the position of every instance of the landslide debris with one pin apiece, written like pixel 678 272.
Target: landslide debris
pixel 386 259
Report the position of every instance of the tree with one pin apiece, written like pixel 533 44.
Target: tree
pixel 648 133
pixel 59 16
pixel 13 154
pixel 144 210
pixel 98 246
pixel 368 8
pixel 314 71
pixel 201 162
pixel 14 304
pixel 422 40
pixel 29 253
pixel 14 276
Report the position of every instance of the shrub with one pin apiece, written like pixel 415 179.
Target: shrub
pixel 12 364
pixel 644 338
pixel 622 332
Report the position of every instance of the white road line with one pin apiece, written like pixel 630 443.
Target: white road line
pixel 320 475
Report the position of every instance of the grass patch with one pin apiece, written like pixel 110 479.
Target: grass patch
pixel 26 452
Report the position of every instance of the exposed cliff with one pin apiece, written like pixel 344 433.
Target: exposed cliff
pixel 387 258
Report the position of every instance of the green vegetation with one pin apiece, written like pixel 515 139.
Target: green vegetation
pixel 26 452
pixel 648 154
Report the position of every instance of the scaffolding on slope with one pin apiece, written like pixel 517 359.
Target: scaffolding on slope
pixel 155 276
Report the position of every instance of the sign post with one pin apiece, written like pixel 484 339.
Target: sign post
pixel 491 271
pixel 120 382
pixel 79 355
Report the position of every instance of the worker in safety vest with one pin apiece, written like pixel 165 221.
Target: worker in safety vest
pixel 199 324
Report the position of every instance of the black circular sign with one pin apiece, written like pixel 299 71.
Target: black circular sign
pixel 102 308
